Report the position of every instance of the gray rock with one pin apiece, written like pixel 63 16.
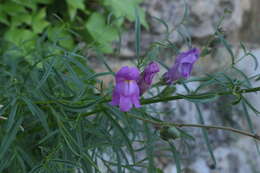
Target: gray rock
pixel 203 15
pixel 195 18
pixel 231 160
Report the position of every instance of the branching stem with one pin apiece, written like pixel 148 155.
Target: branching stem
pixel 255 136
pixel 177 97
pixel 199 96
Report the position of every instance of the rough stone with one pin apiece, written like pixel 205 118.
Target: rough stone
pixel 195 18
pixel 203 16
pixel 250 27
pixel 234 154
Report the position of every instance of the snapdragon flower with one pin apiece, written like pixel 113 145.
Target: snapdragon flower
pixel 183 66
pixel 145 80
pixel 126 92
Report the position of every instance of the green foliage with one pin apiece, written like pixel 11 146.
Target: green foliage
pixel 23 20
pixel 73 6
pixel 103 34
pixel 126 9
pixel 55 114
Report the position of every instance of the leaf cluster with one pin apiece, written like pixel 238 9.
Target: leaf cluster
pixel 95 22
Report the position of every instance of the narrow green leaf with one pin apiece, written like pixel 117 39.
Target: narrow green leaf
pixel 36 168
pixel 99 75
pixel 50 135
pixel 79 64
pixel 4 108
pixel 137 33
pixel 205 135
pixel 47 72
pixel 243 75
pixel 227 46
pixel 255 60
pixel 167 32
pixel 104 61
pixel 4 163
pixel 21 162
pixel 9 138
pixel 250 105
pixel 176 156
pixel 66 162
pixel 243 47
pixel 71 142
pixel 149 148
pixel 250 125
pixel 121 130
pixel 26 156
pixel 37 112
pixel 82 108
pixel 184 134
pixel 11 118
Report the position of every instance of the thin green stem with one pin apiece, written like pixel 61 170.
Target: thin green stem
pixel 206 95
pixel 255 136
pixel 179 96
pixel 199 96
pixel 176 97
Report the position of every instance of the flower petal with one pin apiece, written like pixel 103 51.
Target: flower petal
pixel 121 74
pixel 125 103
pixel 126 88
pixel 185 69
pixel 133 73
pixel 146 78
pixel 133 88
pixel 115 98
pixel 183 66
pixel 135 101
pixel 127 73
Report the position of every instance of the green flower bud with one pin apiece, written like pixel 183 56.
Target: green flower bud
pixel 167 133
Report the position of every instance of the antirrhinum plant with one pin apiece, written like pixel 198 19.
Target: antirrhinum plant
pixel 57 116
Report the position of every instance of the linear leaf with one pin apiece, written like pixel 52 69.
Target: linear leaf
pixel 137 33
pixel 122 131
pixel 11 118
pixel 250 124
pixel 176 156
pixel 9 138
pixel 205 135
pixel 37 112
pixel 47 73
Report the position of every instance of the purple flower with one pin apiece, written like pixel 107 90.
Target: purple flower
pixel 126 92
pixel 146 78
pixel 183 66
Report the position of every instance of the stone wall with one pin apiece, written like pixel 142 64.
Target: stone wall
pixel 241 23
pixel 202 16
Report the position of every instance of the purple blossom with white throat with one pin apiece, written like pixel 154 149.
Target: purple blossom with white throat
pixel 126 92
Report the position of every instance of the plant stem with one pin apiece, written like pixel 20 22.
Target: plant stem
pixel 255 136
pixel 149 101
pixel 199 96
pixel 178 97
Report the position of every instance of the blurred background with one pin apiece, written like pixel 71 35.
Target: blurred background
pixel 107 26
